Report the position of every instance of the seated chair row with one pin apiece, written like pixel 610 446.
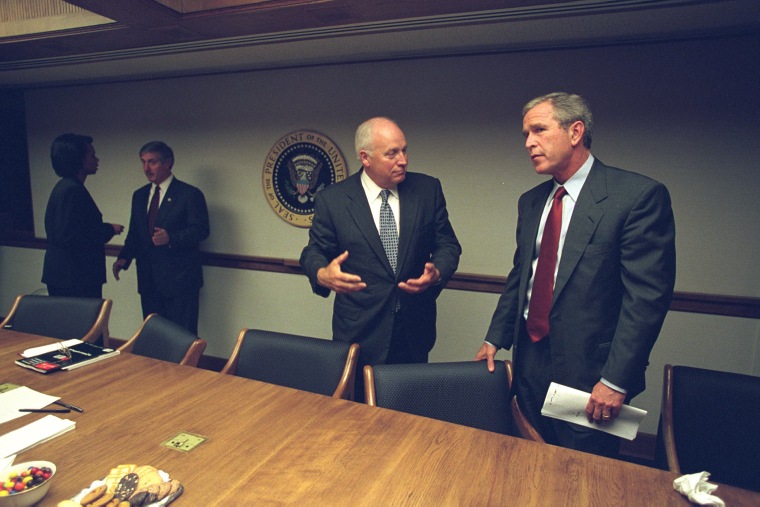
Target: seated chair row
pixel 461 392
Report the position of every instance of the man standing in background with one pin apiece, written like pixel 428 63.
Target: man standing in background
pixel 592 279
pixel 169 220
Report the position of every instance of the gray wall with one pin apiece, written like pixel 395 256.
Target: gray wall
pixel 684 113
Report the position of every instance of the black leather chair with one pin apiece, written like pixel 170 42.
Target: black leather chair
pixel 464 393
pixel 309 364
pixel 162 339
pixel 709 422
pixel 58 317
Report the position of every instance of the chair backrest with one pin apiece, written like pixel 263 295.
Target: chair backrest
pixel 160 338
pixel 464 393
pixel 60 317
pixel 309 364
pixel 709 423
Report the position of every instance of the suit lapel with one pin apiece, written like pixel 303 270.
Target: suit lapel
pixel 584 222
pixel 358 209
pixel 167 203
pixel 141 213
pixel 409 206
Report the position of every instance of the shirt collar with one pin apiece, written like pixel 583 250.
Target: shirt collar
pixel 372 189
pixel 165 184
pixel 574 185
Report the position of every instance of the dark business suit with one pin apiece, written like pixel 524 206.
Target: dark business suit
pixel 343 221
pixel 75 259
pixel 613 287
pixel 169 277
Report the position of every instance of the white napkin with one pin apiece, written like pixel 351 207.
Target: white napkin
pixel 697 489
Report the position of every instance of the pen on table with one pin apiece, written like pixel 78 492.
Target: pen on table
pixel 72 407
pixel 46 410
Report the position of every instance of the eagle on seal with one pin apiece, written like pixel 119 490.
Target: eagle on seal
pixel 304 175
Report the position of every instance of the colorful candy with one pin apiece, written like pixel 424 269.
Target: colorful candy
pixel 27 479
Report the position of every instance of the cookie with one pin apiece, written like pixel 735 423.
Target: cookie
pixel 106 497
pixel 148 476
pixel 174 487
pixel 126 486
pixel 93 495
pixel 163 490
pixel 138 498
pixel 113 478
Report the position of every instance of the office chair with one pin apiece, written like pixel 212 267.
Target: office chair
pixel 59 317
pixel 160 338
pixel 709 423
pixel 464 393
pixel 310 364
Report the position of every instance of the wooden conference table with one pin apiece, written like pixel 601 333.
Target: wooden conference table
pixel 270 445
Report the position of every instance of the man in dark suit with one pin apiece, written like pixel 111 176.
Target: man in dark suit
pixel 614 268
pixel 165 241
pixel 390 310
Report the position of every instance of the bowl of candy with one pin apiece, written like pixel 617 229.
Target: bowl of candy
pixel 26 483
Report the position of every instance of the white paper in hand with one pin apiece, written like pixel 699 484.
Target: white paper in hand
pixel 569 405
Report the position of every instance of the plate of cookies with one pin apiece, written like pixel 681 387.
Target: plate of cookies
pixel 130 486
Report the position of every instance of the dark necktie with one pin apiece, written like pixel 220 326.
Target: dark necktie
pixel 153 210
pixel 543 282
pixel 388 233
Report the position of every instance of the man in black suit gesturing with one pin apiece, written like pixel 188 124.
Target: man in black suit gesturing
pixel 169 220
pixel 590 319
pixel 385 301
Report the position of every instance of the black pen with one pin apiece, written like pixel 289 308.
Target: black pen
pixel 46 410
pixel 72 407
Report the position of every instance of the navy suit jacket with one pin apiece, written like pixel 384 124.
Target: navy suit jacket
pixel 614 283
pixel 76 238
pixel 343 221
pixel 176 268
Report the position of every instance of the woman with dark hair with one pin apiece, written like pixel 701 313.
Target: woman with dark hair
pixel 75 260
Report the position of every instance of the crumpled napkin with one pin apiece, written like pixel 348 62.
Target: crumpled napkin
pixel 697 489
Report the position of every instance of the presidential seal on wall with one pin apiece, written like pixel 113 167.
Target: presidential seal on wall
pixel 299 165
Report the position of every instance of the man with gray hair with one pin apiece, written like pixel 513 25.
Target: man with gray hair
pixel 592 278
pixel 382 242
pixel 169 220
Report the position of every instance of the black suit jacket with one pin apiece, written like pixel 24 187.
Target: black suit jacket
pixel 173 269
pixel 76 238
pixel 343 221
pixel 614 283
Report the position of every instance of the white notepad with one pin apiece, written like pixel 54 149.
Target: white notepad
pixel 34 434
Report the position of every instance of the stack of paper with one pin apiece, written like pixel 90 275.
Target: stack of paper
pixel 34 433
pixel 21 397
pixel 43 349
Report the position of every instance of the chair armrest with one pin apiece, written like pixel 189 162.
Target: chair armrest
pixel 194 353
pixel 526 429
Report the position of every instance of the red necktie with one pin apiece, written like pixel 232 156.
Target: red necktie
pixel 153 210
pixel 543 282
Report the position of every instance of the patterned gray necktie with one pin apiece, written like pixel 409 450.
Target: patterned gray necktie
pixel 388 233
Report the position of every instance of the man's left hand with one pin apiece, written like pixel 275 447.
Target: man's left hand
pixel 604 404
pixel 160 237
pixel 430 276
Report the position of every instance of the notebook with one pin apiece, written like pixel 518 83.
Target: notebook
pixel 66 355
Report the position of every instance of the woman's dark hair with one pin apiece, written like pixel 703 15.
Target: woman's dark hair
pixel 67 154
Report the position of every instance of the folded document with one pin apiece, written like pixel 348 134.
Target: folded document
pixel 569 405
